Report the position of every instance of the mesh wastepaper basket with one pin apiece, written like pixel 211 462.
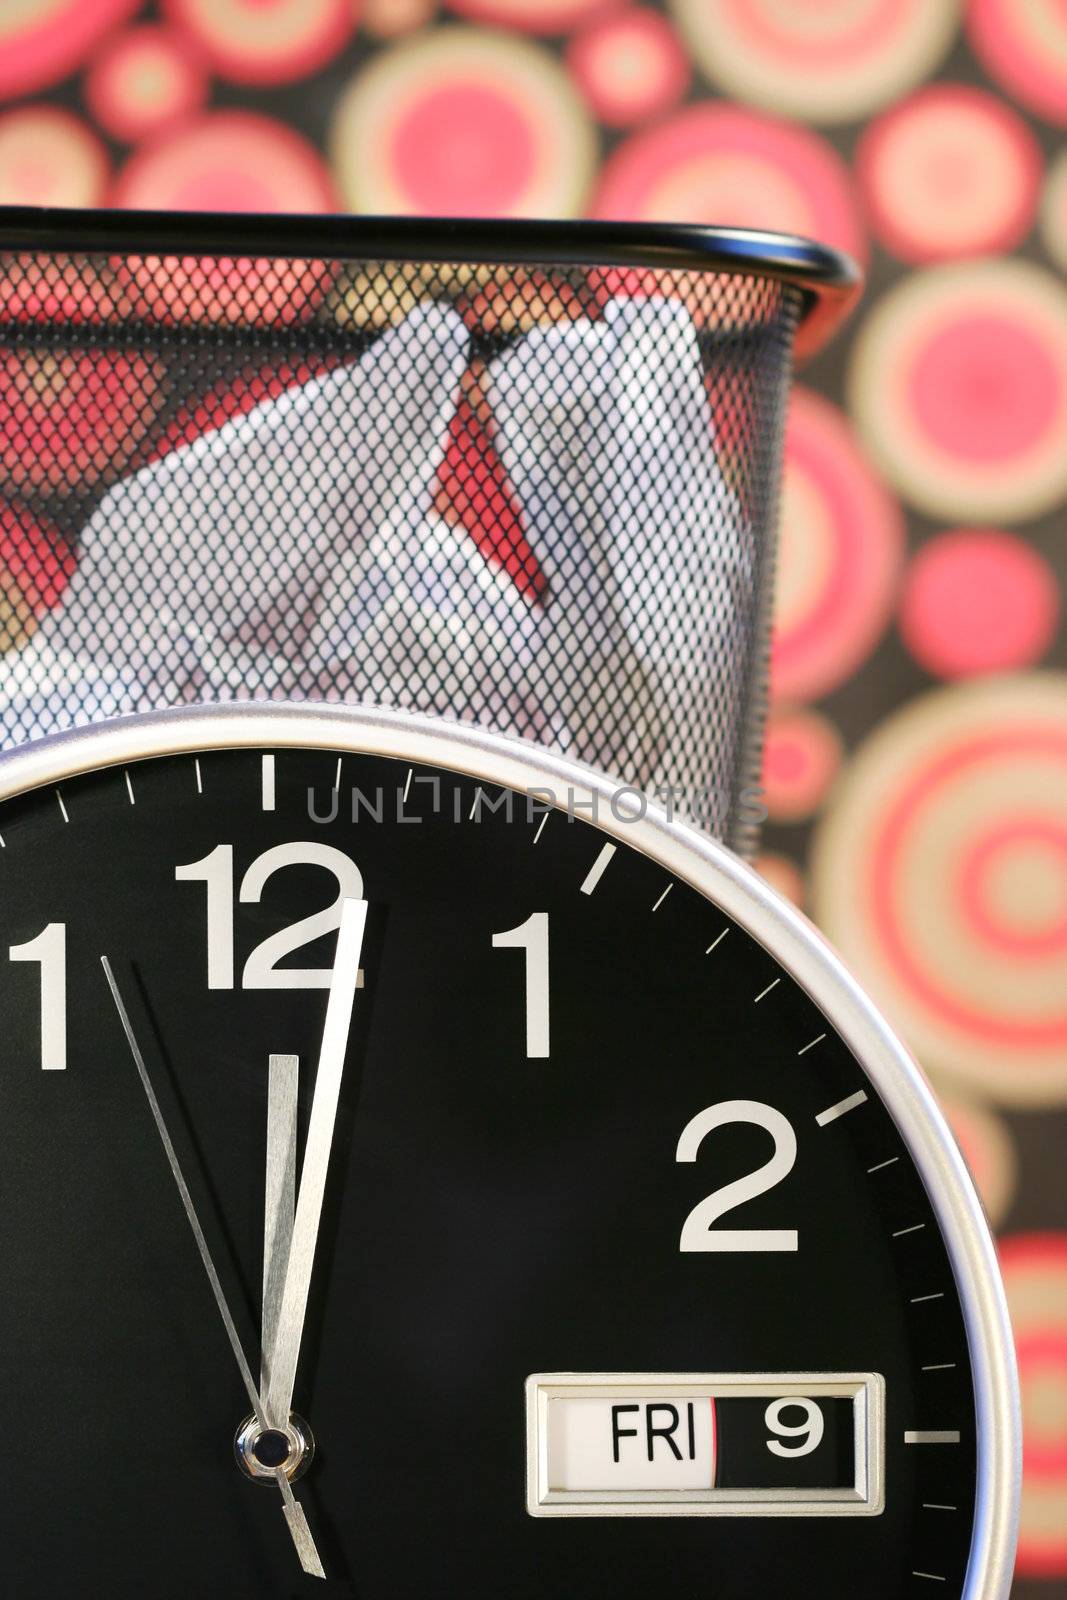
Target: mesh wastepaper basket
pixel 522 474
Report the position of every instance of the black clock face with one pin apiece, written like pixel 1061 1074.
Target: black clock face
pixel 586 1125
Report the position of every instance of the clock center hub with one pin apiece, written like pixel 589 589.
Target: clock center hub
pixel 262 1451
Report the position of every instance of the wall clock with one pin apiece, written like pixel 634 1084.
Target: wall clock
pixel 431 1168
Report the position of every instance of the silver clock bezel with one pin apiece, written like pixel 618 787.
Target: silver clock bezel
pixel 714 871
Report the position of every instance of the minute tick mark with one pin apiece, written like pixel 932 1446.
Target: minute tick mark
pixel 832 1113
pixel 811 1046
pixel 596 871
pixel 268 783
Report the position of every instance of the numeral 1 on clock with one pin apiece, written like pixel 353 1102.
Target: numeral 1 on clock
pixel 50 949
pixel 532 936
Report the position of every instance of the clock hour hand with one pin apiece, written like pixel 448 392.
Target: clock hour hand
pixel 295 1518
pixel 279 1200
pixel 285 1355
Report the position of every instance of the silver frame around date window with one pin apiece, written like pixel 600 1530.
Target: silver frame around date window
pixel 866 1498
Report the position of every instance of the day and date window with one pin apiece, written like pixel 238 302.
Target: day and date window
pixel 633 1444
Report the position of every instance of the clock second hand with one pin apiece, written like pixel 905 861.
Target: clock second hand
pixel 295 1517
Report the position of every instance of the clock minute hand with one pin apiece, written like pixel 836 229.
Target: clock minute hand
pixel 295 1517
pixel 282 1360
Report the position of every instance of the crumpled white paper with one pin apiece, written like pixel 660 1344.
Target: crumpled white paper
pixel 201 573
pixel 606 432
pixel 48 690
pixel 428 624
pixel 294 551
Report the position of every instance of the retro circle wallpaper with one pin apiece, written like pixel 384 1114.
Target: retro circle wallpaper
pixel 916 765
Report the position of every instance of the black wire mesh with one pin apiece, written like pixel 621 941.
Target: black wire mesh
pixel 539 498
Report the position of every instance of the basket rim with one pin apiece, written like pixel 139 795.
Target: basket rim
pixel 829 279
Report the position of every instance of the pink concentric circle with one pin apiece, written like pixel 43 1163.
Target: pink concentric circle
pixel 782 874
pixel 462 122
pixel 34 556
pixel 226 161
pixel 831 62
pixel 841 551
pixel 629 67
pixel 941 872
pixel 1043 1357
pixel 44 289
pixel 392 19
pixel 988 1149
pixel 50 157
pixel 1035 1278
pixel 1023 46
pixel 951 172
pixel 41 41
pixel 1054 212
pixel 717 163
pixel 978 600
pixel 70 421
pixel 144 80
pixel 197 291
pixel 989 874
pixel 801 755
pixel 265 41
pixel 959 386
pixel 529 16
